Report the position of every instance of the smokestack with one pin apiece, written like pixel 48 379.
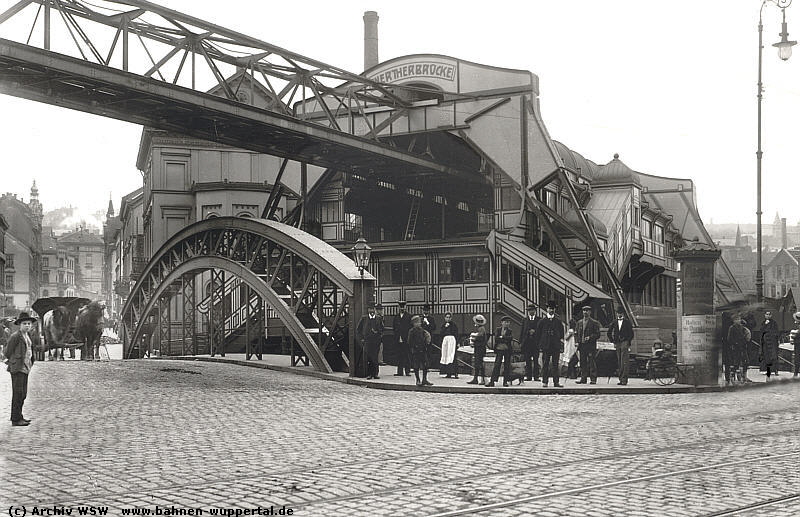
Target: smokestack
pixel 370 39
pixel 784 239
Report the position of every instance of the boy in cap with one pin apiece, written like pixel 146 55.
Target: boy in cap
pixel 478 341
pixel 620 332
pixel 550 334
pixel 502 350
pixel 19 354
pixel 587 331
pixel 418 341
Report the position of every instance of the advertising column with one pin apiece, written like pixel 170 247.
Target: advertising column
pixel 696 325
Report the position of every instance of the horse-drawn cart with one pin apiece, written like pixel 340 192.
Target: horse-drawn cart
pixel 70 322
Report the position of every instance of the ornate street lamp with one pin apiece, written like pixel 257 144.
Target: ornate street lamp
pixel 784 47
pixel 361 252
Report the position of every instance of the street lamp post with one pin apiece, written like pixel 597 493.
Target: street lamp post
pixel 784 47
pixel 361 253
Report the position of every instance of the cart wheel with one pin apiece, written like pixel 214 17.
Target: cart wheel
pixel 666 375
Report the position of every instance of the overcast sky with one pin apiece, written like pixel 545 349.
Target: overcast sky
pixel 670 85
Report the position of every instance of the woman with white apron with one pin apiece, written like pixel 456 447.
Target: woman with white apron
pixel 449 345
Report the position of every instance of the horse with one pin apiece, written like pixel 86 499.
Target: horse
pixel 56 324
pixel 89 328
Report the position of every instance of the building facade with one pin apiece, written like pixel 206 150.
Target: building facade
pixel 23 248
pixel 518 219
pixel 88 248
pixel 782 273
pixel 58 267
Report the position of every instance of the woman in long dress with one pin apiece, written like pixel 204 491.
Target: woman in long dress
pixel 449 345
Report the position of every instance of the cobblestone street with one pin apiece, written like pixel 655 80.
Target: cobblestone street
pixel 148 434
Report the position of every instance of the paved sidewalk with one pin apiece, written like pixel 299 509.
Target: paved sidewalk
pixel 388 381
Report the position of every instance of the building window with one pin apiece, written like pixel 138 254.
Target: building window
pixel 353 222
pixel 61 262
pixel 329 212
pixel 45 293
pixel 647 229
pixel 408 272
pixel 551 200
pixel 658 233
pixel 45 262
pixel 10 282
pixel 509 199
pixel 10 261
pixel 464 270
pixel 514 277
pixel 60 277
pixel 45 277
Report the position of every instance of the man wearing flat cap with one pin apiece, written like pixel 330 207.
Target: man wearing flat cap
pixel 19 354
pixel 369 332
pixel 502 351
pixel 550 334
pixel 530 344
pixel 401 324
pixel 620 332
pixel 587 331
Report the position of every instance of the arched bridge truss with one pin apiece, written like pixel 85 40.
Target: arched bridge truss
pixel 278 271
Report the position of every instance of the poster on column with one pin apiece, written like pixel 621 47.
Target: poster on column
pixel 697 338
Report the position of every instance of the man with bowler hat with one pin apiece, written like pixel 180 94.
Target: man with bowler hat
pixel 550 334
pixel 401 325
pixel 369 332
pixel 530 344
pixel 428 321
pixel 19 353
pixel 587 331
pixel 620 332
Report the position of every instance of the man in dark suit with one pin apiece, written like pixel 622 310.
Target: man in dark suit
pixel 530 344
pixel 20 351
pixel 369 332
pixel 550 334
pixel 620 332
pixel 587 331
pixel 401 324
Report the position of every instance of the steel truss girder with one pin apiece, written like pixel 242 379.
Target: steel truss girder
pixel 38 75
pixel 299 276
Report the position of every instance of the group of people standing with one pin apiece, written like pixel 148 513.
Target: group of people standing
pixel 546 337
pixel 736 347
pixel 541 338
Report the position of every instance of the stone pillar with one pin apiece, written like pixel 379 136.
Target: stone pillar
pixel 696 319
pixel 362 295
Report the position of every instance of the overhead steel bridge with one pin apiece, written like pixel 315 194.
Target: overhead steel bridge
pixel 142 63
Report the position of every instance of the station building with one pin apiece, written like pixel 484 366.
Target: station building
pixel 518 219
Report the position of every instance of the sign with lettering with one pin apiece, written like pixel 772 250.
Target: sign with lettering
pixel 697 287
pixel 427 69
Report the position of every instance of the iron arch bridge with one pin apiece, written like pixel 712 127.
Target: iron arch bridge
pixel 303 281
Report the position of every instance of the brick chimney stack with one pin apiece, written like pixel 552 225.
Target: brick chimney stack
pixel 370 39
pixel 784 237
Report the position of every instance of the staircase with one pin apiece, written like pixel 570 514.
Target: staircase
pixel 413 215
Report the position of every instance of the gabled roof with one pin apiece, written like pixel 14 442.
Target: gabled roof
pixel 81 237
pixel 792 255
